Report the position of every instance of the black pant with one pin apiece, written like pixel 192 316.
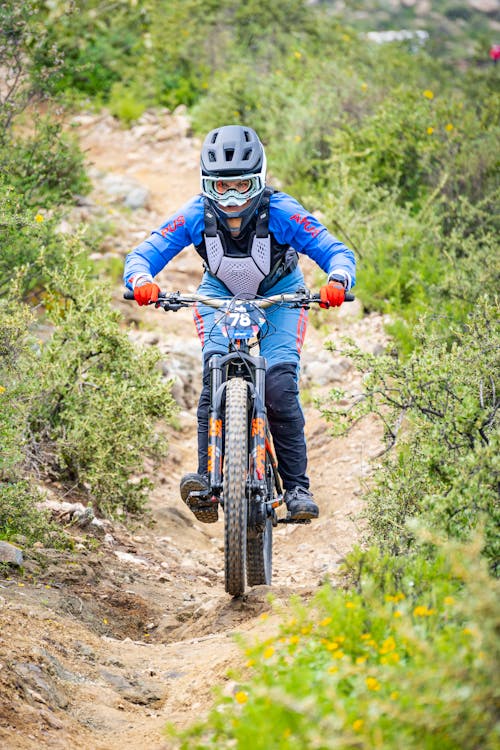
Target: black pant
pixel 286 422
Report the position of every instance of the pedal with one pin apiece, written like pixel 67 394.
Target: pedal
pixel 294 520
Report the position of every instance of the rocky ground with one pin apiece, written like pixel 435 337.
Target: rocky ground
pixel 101 647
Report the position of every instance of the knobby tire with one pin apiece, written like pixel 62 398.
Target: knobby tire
pixel 235 479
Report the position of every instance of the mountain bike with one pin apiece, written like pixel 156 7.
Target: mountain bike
pixel 242 467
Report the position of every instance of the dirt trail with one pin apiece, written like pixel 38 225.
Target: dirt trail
pixel 99 648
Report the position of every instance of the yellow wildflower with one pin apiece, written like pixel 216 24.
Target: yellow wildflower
pixel 338 654
pixel 361 660
pixel 388 645
pixel 305 630
pixel 332 646
pixel 332 670
pixel 264 616
pixel 449 127
pixel 294 639
pixel 286 733
pixel 325 622
pixel 297 54
pixel 39 218
pixel 430 130
pixel 364 86
pixel 394 695
pixel 428 94
pixel 372 683
pixel 350 605
pixel 250 663
pixel 241 697
pixel 2 389
pixel 423 611
pixel 449 600
pixel 357 725
pixel 104 620
pixel 397 613
pixel 268 652
pixel 366 636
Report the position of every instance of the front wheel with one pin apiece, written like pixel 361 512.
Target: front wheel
pixel 235 481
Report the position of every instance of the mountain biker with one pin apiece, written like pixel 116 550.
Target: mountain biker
pixel 249 236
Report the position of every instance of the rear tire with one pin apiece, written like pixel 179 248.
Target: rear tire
pixel 235 480
pixel 260 557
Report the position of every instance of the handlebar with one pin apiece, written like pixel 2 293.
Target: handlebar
pixel 176 300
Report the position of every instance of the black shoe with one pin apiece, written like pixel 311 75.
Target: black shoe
pixel 194 492
pixel 300 504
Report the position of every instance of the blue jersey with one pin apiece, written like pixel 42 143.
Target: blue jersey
pixel 290 224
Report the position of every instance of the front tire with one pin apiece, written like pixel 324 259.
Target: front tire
pixel 235 481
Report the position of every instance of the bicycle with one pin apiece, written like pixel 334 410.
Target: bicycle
pixel 242 467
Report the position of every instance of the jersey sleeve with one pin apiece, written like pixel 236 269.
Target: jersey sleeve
pixel 292 224
pixel 183 228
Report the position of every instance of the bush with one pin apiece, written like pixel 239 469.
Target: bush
pixel 71 404
pixel 407 660
pixel 442 407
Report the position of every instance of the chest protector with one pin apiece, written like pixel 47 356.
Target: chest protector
pixel 241 272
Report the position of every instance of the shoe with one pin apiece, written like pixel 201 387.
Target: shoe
pixel 194 492
pixel 300 504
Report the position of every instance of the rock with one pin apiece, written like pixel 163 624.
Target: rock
pixel 10 554
pixel 141 692
pixel 127 557
pixel 38 686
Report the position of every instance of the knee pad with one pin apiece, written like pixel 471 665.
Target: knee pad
pixel 282 395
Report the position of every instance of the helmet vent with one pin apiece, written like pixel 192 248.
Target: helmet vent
pixel 229 154
pixel 214 137
pixel 211 156
pixel 248 137
pixel 247 154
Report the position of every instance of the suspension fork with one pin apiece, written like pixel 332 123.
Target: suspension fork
pixel 215 426
pixel 258 426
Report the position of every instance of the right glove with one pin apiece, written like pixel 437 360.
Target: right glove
pixel 145 291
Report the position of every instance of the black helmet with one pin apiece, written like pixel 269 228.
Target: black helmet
pixel 233 152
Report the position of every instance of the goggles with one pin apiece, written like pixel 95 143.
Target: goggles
pixel 232 192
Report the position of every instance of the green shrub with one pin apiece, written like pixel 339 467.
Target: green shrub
pixel 82 406
pixel 442 406
pixel 407 660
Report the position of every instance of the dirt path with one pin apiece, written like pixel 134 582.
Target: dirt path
pixel 99 648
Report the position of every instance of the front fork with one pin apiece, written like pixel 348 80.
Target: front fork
pixel 257 434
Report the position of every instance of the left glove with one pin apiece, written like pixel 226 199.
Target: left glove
pixel 332 294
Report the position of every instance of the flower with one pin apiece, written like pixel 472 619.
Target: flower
pixel 241 697
pixel 297 54
pixel 264 616
pixel 448 600
pixel 268 652
pixel 39 218
pixel 388 645
pixel 325 622
pixel 2 389
pixel 364 86
pixel 361 660
pixel 357 725
pixel 428 94
pixel 294 639
pixel 430 130
pixel 423 611
pixel 350 605
pixel 449 127
pixel 372 683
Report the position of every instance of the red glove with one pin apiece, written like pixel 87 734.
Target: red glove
pixel 146 293
pixel 332 295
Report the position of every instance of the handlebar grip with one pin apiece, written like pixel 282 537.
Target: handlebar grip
pixel 128 294
pixel 349 297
